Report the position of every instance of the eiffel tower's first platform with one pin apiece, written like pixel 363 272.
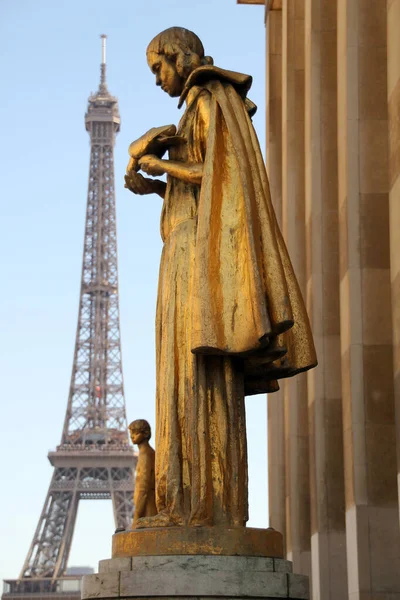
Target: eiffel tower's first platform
pixel 94 459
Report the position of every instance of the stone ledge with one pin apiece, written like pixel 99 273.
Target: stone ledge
pixel 283 566
pixel 115 564
pixel 199 563
pixel 298 587
pixel 279 565
pixel 179 581
pixel 104 585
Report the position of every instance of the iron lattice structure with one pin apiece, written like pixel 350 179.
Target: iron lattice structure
pixel 94 459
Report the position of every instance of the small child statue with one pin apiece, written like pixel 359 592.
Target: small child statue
pixel 144 497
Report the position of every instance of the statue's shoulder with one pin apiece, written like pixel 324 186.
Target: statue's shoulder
pixel 208 76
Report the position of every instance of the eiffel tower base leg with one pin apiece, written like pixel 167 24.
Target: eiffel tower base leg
pixel 195 576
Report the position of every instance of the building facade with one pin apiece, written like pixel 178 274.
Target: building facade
pixel 333 159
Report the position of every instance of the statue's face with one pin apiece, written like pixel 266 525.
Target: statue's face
pixel 167 77
pixel 137 437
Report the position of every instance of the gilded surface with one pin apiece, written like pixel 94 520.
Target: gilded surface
pixel 144 497
pixel 230 317
pixel 238 541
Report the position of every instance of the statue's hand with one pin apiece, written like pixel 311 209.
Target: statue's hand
pixel 151 165
pixel 136 183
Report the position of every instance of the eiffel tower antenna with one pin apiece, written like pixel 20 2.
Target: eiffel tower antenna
pixel 103 61
pixel 94 459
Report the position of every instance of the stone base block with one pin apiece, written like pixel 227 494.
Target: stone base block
pixel 227 541
pixel 195 577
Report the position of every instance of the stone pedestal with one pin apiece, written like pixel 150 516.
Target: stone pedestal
pixel 190 576
pixel 230 564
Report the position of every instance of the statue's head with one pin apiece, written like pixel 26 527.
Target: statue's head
pixel 140 431
pixel 172 55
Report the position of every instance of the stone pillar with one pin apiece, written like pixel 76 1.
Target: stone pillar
pixel 372 532
pixel 276 459
pixel 393 51
pixel 293 226
pixel 274 108
pixel 328 538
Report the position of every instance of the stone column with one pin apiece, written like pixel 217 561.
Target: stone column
pixel 328 538
pixel 372 532
pixel 293 226
pixel 393 51
pixel 274 108
pixel 276 459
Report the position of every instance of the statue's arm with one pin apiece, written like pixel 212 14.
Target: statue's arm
pixel 136 183
pixel 189 172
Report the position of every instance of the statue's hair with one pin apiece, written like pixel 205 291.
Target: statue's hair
pixel 181 45
pixel 140 426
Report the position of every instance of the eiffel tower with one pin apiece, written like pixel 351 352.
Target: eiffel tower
pixel 94 459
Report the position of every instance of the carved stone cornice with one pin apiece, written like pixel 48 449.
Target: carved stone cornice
pixel 269 4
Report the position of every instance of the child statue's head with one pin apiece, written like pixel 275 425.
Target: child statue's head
pixel 140 431
pixel 172 55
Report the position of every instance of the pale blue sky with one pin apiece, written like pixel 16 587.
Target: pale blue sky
pixel 50 56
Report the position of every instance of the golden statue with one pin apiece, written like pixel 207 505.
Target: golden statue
pixel 230 317
pixel 144 497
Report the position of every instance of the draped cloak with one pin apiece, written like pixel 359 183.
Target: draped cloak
pixel 230 316
pixel 246 298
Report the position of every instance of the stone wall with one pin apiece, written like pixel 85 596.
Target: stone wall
pixel 333 159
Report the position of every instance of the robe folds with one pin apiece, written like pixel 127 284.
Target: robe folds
pixel 246 299
pixel 230 316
